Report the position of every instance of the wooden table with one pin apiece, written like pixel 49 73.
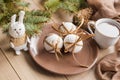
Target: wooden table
pixel 23 67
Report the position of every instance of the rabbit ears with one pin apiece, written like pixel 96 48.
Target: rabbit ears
pixel 21 17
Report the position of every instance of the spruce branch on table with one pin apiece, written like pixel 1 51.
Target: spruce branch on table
pixel 33 19
pixel 69 5
pixel 52 5
pixel 32 29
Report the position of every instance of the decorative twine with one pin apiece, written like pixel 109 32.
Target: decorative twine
pixel 55 48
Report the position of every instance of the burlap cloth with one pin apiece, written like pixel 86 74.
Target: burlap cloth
pixel 109 67
pixel 105 8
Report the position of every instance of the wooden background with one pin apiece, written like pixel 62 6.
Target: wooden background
pixel 23 67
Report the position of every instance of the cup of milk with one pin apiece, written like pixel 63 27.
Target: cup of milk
pixel 106 32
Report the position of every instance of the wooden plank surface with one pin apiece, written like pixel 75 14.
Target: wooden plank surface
pixel 88 75
pixel 6 70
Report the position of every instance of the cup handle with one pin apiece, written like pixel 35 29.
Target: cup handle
pixel 89 26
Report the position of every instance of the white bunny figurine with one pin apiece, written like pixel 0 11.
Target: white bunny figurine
pixel 18 37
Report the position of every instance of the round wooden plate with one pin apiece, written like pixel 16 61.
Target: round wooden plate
pixel 66 65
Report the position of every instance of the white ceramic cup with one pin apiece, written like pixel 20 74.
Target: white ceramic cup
pixel 105 38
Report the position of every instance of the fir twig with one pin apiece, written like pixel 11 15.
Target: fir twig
pixel 23 4
pixel 69 5
pixel 36 19
pixel 32 18
pixel 52 5
pixel 32 29
pixel 5 27
pixel 40 13
pixel 1 16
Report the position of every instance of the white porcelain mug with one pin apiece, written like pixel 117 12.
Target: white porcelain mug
pixel 106 31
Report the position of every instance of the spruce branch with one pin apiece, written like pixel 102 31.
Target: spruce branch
pixel 32 19
pixel 5 27
pixel 36 19
pixel 52 5
pixel 32 29
pixel 23 4
pixel 69 5
pixel 1 1
pixel 1 16
pixel 40 13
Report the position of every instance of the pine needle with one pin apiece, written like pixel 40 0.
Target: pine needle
pixel 40 13
pixel 1 1
pixel 32 29
pixel 32 18
pixel 69 5
pixel 52 5
pixel 23 4
pixel 5 27
pixel 1 16
pixel 36 19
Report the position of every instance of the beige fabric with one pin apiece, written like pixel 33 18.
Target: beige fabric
pixel 109 67
pixel 19 41
pixel 117 46
pixel 105 8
